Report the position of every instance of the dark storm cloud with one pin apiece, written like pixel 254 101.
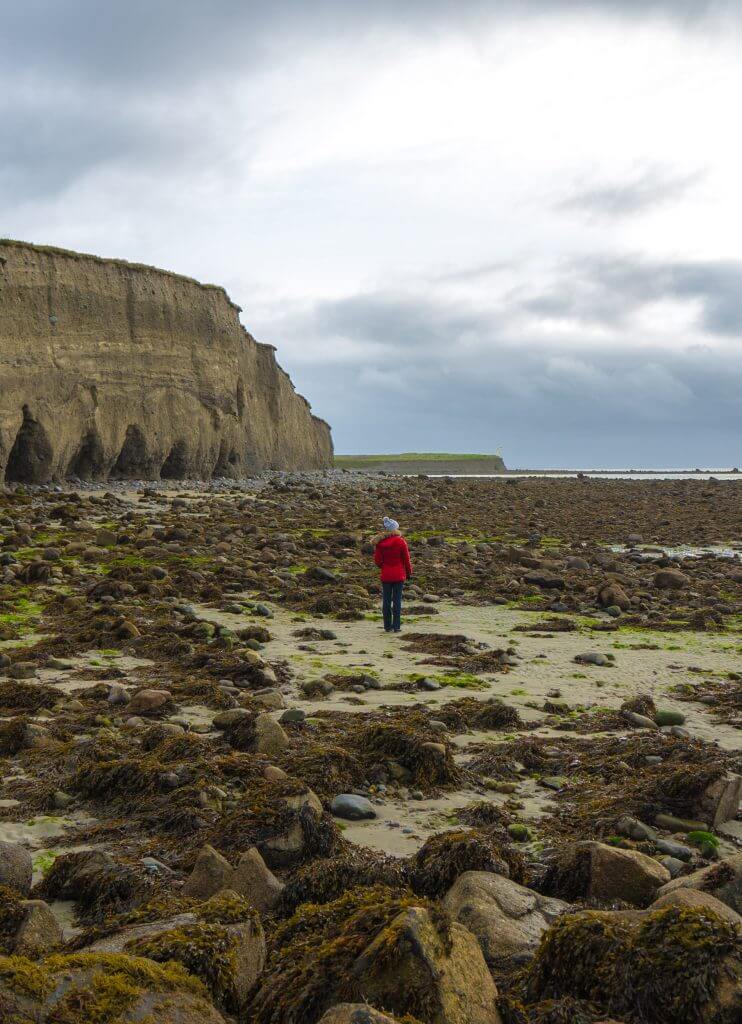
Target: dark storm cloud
pixel 606 291
pixel 485 376
pixel 619 199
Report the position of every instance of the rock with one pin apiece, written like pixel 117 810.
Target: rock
pixel 211 873
pixel 117 695
pixel 255 881
pixel 167 996
pixel 352 807
pixel 454 982
pixel 686 897
pixel 672 824
pixel 649 964
pixel 269 736
pixel 670 579
pixel 16 867
pixel 667 717
pixel 613 594
pixel 506 918
pixel 592 658
pixel 721 800
pixel 607 873
pixel 294 715
pixel 145 701
pixel 677 850
pixel 636 830
pixel 39 931
pixel 722 880
pixel 355 1013
pixel 673 865
pixel 226 719
pixel 640 721
pixel 22 670
pixel 545 579
pixel 428 684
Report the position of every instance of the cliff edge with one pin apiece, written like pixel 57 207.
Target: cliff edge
pixel 113 370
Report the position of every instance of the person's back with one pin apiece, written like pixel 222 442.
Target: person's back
pixel 392 556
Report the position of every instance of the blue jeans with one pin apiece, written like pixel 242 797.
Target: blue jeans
pixel 391 605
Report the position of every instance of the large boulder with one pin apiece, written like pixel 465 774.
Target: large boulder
pixel 722 880
pixel 605 874
pixel 721 800
pixel 227 954
pixel 670 579
pixel 507 919
pixel 254 880
pixel 16 868
pixel 673 965
pixel 74 988
pixel 684 897
pixel 270 737
pixel 453 982
pixel 612 594
pixel 210 873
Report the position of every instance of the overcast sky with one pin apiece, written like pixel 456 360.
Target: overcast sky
pixel 463 224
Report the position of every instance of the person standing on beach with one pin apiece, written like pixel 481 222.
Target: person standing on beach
pixel 392 556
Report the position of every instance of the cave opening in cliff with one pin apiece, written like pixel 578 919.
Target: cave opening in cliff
pixel 132 462
pixel 89 461
pixel 227 463
pixel 30 459
pixel 175 465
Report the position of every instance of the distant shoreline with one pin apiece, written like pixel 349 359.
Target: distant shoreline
pixel 450 464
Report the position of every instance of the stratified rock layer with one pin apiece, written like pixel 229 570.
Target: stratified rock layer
pixel 111 370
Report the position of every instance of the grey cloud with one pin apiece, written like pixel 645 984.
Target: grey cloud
pixel 606 290
pixel 620 199
pixel 538 401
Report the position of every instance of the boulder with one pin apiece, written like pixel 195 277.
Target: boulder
pixel 73 987
pixel 506 918
pixel 663 965
pixel 16 868
pixel 606 873
pixel 721 800
pixel 684 897
pixel 269 736
pixel 39 931
pixel 453 982
pixel 174 940
pixel 613 594
pixel 211 872
pixel 255 881
pixel 722 880
pixel 352 807
pixel 149 700
pixel 670 579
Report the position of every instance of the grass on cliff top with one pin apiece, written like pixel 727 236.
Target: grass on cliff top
pixel 350 460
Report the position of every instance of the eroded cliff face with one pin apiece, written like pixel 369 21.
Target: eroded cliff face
pixel 111 370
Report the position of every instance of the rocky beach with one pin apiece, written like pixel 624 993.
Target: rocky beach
pixel 228 795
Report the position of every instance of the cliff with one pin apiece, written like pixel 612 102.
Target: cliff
pixel 112 370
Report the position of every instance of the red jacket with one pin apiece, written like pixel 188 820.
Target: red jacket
pixel 393 558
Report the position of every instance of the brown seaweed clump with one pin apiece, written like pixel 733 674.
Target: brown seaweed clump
pixel 677 965
pixel 429 761
pixel 443 857
pixel 312 954
pixel 322 881
pixel 470 713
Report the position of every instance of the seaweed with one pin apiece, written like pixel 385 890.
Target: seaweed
pixel 443 857
pixel 311 956
pixel 662 967
pixel 325 880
